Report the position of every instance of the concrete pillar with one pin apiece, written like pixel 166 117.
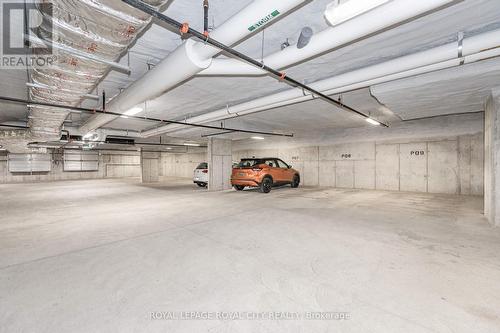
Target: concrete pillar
pixel 150 167
pixel 492 158
pixel 219 164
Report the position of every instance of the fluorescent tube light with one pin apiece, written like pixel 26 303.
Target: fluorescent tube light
pixel 91 136
pixel 257 138
pixel 133 111
pixel 372 121
pixel 336 13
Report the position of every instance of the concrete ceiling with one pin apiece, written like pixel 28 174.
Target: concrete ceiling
pixel 202 95
pixel 457 90
pixel 303 117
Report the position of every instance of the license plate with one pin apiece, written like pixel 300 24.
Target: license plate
pixel 197 178
pixel 241 174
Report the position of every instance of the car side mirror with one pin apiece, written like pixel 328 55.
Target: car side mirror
pixel 289 167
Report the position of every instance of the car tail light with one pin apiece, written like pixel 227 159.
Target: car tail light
pixel 205 171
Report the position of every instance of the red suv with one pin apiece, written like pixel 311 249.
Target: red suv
pixel 263 173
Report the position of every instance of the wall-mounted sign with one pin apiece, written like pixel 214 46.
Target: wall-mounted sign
pixel 264 20
pixel 346 156
pixel 417 153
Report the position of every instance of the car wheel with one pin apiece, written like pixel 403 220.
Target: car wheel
pixel 266 185
pixel 295 181
pixel 201 184
pixel 239 187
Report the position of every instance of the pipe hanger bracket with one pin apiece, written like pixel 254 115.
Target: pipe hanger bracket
pixel 461 48
pixel 184 29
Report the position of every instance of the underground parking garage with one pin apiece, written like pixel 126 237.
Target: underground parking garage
pixel 250 166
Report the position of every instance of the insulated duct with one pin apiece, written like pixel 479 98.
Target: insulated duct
pixel 87 36
pixel 229 50
pixel 371 22
pixel 476 48
pixel 192 57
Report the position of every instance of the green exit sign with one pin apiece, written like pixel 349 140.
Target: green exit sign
pixel 264 21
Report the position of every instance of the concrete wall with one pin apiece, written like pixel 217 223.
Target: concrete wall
pixel 435 128
pixel 150 167
pixel 181 165
pixel 492 159
pixel 219 158
pixel 438 155
pixel 453 165
pixel 112 164
pixel 121 164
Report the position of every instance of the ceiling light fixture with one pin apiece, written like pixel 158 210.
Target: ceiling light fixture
pixel 257 138
pixel 132 112
pixel 372 121
pixel 192 144
pixel 337 13
pixel 91 136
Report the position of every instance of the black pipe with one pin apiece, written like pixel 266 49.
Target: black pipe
pixel 104 100
pixel 205 17
pixel 171 145
pixel 216 134
pixel 145 151
pixel 275 73
pixel 93 111
pixel 14 126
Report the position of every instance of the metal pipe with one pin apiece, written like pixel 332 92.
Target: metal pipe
pixel 93 111
pixel 191 57
pixel 205 17
pixel 130 144
pixel 305 37
pixel 394 13
pixel 275 73
pixel 104 100
pixel 216 134
pixel 395 69
pixel 63 143
pixel 14 126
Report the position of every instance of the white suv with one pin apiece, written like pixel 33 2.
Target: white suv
pixel 201 175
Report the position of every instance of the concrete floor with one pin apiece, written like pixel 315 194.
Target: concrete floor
pixel 101 255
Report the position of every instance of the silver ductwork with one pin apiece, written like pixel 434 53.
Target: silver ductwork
pixel 86 35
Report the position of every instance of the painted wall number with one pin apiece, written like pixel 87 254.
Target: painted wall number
pixel 346 155
pixel 417 153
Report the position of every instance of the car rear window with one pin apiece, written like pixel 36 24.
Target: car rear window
pixel 250 163
pixel 202 166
